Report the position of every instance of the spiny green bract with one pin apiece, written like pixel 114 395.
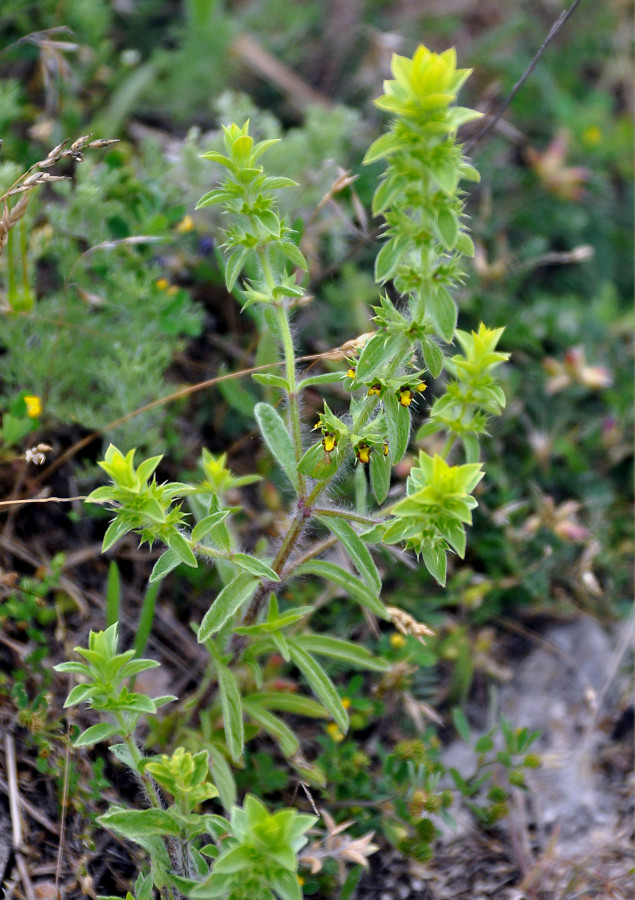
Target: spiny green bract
pixel 146 506
pixel 247 193
pixel 259 860
pixel 431 518
pixel 185 775
pixel 418 194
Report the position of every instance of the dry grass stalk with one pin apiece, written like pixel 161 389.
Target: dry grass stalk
pixel 34 176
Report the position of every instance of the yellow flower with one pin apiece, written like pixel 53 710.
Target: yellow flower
pixel 421 387
pixel 374 390
pixel 592 135
pixel 405 396
pixel 335 732
pixel 162 283
pixel 33 406
pixel 329 442
pixel 186 224
pixel 350 373
pixel 363 453
pixel 346 703
pixel 397 641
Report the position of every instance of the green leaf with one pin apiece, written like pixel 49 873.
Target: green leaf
pixel 318 464
pixel 356 549
pixel 232 711
pixel 178 544
pixel 284 701
pixel 338 648
pixel 81 693
pixel 398 427
pixel 113 594
pixel 277 439
pixel 270 380
pixel 131 823
pixel 432 356
pixel 448 227
pixel 382 348
pixel 255 566
pixel 353 586
pixel 471 446
pixel 349 886
pixel 461 724
pixel 464 244
pixel 383 146
pixel 325 378
pixel 116 530
pixel 229 601
pixel 204 527
pixel 292 252
pixel 435 560
pixel 379 475
pixel 321 685
pixel 222 777
pixel 273 725
pixel 387 260
pixel 164 564
pixel 443 312
pixel 96 733
pixel 234 265
pixel 484 744
pixel 286 885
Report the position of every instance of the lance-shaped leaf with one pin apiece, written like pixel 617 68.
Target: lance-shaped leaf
pixel 277 439
pixel 356 549
pixel 338 648
pixel 273 725
pixel 231 706
pixel 398 427
pixel 353 586
pixel 164 565
pixel 254 566
pixel 320 683
pixel 382 348
pixel 380 476
pixel 226 605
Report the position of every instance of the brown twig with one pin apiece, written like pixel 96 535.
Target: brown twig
pixel 555 28
pixel 16 821
pixel 31 810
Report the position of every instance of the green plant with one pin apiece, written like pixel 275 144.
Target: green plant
pixel 84 343
pixel 251 619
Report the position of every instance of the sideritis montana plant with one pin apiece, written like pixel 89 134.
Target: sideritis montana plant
pixel 253 853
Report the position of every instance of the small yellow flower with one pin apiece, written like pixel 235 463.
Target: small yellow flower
pixel 374 390
pixel 186 224
pixel 363 453
pixel 592 136
pixel 346 703
pixel 33 406
pixel 335 732
pixel 405 395
pixel 397 641
pixel 300 880
pixel 162 284
pixel 329 443
pixel 386 448
pixel 350 373
pixel 421 387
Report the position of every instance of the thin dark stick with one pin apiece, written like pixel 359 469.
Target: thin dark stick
pixel 555 28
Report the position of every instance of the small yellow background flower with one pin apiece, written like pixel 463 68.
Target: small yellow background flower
pixel 33 406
